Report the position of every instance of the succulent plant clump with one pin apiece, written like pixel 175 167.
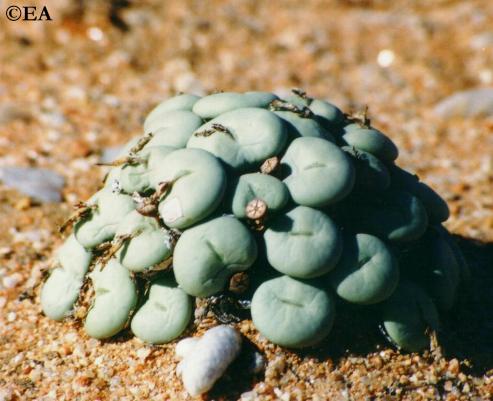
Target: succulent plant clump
pixel 287 206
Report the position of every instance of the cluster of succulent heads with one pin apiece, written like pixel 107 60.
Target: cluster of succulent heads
pixel 285 207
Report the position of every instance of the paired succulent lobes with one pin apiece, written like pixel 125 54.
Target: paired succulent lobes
pixel 310 162
pixel 61 290
pixel 115 298
pixel 165 314
pixel 303 243
pixel 216 104
pixel 249 187
pixel 149 245
pixel 407 315
pixel 367 272
pixel 303 199
pixel 207 255
pixel 292 313
pixel 101 224
pixel 197 184
pixel 248 136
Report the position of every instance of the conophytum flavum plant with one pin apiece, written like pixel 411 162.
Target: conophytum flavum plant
pixel 287 207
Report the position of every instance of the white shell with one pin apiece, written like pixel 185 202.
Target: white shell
pixel 206 359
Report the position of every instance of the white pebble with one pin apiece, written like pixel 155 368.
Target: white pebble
pixel 206 359
pixel 11 316
pixel 95 34
pixel 71 337
pixel 12 280
pixel 385 58
pixel 143 353
pixel 185 346
pixel 467 104
pixel 249 396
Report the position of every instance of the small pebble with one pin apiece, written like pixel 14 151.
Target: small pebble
pixel 467 104
pixel 12 280
pixel 40 184
pixel 143 353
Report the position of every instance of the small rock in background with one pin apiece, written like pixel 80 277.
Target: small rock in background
pixel 10 112
pixel 40 184
pixel 470 103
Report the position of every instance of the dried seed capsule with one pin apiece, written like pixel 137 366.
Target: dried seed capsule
pixel 270 165
pixel 239 283
pixel 256 209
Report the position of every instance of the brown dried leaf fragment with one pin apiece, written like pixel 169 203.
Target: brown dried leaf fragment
pixel 82 210
pixel 281 105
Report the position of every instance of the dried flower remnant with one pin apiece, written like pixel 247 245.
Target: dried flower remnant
pixel 270 165
pixel 82 210
pixel 280 105
pixel 214 128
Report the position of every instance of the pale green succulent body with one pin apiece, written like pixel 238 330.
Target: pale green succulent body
pixel 292 313
pixel 302 198
pixel 220 247
pixel 253 135
pixel 61 290
pixel 257 186
pixel 115 298
pixel 303 243
pixel 165 314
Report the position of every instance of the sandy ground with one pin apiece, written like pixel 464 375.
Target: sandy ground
pixel 83 82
